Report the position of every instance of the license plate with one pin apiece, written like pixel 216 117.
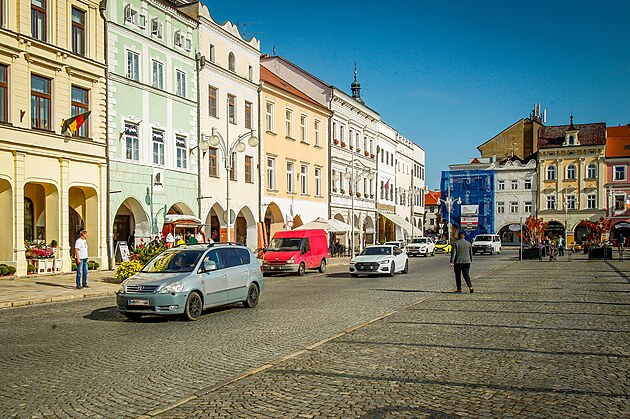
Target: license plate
pixel 273 268
pixel 138 302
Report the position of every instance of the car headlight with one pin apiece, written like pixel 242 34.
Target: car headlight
pixel 384 262
pixel 172 288
pixel 290 261
pixel 123 288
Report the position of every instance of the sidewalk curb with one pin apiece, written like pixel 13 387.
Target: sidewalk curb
pixel 56 299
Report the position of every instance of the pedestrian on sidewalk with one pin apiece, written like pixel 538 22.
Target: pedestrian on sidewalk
pixel 81 258
pixel 461 259
pixel 561 246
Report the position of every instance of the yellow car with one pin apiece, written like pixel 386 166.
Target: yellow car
pixel 443 246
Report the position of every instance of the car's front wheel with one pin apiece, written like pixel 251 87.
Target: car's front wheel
pixel 406 267
pixel 392 269
pixel 194 306
pixel 253 295
pixel 132 316
pixel 354 275
pixel 301 269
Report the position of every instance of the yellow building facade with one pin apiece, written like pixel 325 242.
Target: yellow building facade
pixel 52 66
pixel 571 178
pixel 295 155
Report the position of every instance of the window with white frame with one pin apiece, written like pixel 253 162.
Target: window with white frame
pixel 500 207
pixel 303 128
pixel 248 114
pixel 271 173
pixel 181 83
pixel 591 201
pixel 290 176
pixel 133 65
pixel 501 185
pixel 342 130
pixel 551 172
pixel 211 53
pixel 514 184
pixel 357 144
pixel 620 202
pixel 527 207
pixel 232 109
pixel 591 171
pixel 571 171
pixel 133 17
pixel 157 137
pixel 318 181
pixel 231 62
pixel 269 117
pixel 213 94
pixel 316 133
pixel 132 142
pixel 527 184
pixel 619 172
pixel 303 179
pixel 250 73
pixel 289 123
pixel 157 79
pixel 551 202
pixel 513 207
pixel 181 151
pixel 571 200
pixel 157 29
pixel 178 38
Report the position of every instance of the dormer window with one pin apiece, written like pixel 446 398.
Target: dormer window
pixel 231 62
pixel 571 140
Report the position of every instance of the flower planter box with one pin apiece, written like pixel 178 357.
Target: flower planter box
pixel 600 253
pixel 533 253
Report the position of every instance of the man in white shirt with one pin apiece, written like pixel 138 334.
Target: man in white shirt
pixel 81 258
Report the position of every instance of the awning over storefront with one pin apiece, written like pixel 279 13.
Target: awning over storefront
pixel 399 221
pixel 330 226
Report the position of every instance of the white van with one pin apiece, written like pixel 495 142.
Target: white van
pixel 490 243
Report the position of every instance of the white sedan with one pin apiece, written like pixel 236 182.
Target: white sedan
pixel 378 260
pixel 421 246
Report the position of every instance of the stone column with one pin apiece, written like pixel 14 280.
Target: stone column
pixel 64 218
pixel 601 181
pixel 560 194
pixel 18 214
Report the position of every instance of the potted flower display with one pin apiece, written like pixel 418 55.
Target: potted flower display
pixel 372 155
pixel 343 144
pixel 358 194
pixel 366 153
pixel 336 141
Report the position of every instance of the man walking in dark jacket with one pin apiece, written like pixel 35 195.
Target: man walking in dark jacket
pixel 461 258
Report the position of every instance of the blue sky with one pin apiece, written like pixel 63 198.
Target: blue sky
pixel 451 74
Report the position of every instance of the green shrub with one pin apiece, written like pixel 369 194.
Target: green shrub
pixel 127 269
pixel 4 269
pixel 11 270
pixel 30 268
pixel 93 265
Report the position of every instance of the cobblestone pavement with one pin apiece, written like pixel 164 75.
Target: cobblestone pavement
pixel 534 340
pixel 83 359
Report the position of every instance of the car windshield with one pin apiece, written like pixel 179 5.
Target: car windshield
pixel 483 239
pixel 378 250
pixel 284 244
pixel 441 242
pixel 422 241
pixel 173 261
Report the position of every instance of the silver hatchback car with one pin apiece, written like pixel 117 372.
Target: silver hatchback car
pixel 188 279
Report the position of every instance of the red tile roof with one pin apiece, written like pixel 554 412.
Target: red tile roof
pixel 589 134
pixel 618 141
pixel 267 76
pixel 432 198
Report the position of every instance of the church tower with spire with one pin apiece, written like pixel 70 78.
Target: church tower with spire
pixel 356 87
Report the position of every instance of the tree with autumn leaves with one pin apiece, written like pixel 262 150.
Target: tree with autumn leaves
pixel 533 229
pixel 597 228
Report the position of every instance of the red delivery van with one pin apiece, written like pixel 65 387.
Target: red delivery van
pixel 296 251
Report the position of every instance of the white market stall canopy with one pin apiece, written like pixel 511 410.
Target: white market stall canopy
pixel 399 221
pixel 330 226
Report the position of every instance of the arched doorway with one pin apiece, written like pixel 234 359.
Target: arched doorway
pixel 510 234
pixel 213 225
pixel 6 227
pixel 368 231
pixel 83 213
pixel 43 207
pixel 554 230
pixel 180 208
pixel 621 229
pixel 130 222
pixel 344 239
pixel 581 233
pixel 245 228
pixel 274 220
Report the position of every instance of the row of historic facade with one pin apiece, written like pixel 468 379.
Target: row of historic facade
pixel 188 123
pixel 564 174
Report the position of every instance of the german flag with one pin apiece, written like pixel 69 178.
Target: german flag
pixel 73 124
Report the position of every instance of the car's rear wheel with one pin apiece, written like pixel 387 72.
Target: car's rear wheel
pixel 322 266
pixel 406 267
pixel 301 269
pixel 194 306
pixel 253 295
pixel 433 253
pixel 132 316
pixel 392 269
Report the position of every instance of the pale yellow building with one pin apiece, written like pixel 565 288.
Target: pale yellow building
pixel 295 155
pixel 52 66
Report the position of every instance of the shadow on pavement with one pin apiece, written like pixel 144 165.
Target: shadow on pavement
pixel 111 314
pixel 393 290
pixel 52 284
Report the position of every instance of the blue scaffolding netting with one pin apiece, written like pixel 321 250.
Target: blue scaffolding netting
pixel 474 187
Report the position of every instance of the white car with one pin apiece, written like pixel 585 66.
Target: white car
pixel 421 246
pixel 399 244
pixel 490 243
pixel 378 260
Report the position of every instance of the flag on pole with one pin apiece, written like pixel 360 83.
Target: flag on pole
pixel 73 124
pixel 387 184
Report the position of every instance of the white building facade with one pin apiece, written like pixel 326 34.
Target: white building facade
pixel 229 68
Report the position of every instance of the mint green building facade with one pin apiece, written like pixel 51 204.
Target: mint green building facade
pixel 152 117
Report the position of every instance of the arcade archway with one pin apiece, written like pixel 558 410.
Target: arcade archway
pixel 212 224
pixel 6 227
pixel 274 220
pixel 245 228
pixel 554 230
pixel 131 222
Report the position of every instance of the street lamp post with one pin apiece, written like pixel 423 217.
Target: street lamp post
pixel 354 178
pixel 449 206
pixel 216 139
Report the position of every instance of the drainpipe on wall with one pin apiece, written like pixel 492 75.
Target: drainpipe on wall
pixel 260 147
pixel 329 140
pixel 110 239
pixel 199 68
